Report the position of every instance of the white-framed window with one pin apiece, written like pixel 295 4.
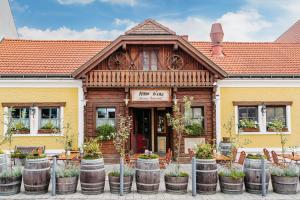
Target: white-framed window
pixel 20 119
pixel 34 120
pixel 105 115
pixel 49 118
pixel 262 115
pixel 150 59
pixel 196 114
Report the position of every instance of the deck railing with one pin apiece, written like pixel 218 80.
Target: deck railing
pixel 167 78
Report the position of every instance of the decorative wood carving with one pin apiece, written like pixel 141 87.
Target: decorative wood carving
pixel 116 60
pixel 175 62
pixel 132 60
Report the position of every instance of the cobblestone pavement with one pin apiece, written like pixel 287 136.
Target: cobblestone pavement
pixel 162 195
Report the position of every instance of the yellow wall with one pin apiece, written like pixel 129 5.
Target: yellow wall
pixel 228 95
pixel 27 95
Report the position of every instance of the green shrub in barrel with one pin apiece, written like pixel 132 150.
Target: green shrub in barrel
pixel 67 179
pixel 10 181
pixel 92 171
pixel 231 179
pixel 206 170
pixel 36 174
pixel 114 180
pixel 147 173
pixel 253 171
pixel 284 176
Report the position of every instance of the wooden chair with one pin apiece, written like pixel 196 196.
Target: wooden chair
pixel 29 149
pixel 267 154
pixel 275 158
pixel 191 153
pixel 164 162
pixel 128 161
pixel 233 154
pixel 242 158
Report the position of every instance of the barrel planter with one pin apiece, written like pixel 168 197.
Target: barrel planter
pixel 253 178
pixel 147 176
pixel 66 185
pixel 92 176
pixel 284 184
pixel 176 185
pixel 10 185
pixel 36 176
pixel 114 184
pixel 230 185
pixel 206 176
pixel 3 163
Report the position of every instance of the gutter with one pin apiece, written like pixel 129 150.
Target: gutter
pixel 265 76
pixel 35 76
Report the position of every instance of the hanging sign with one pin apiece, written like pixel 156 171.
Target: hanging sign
pixel 150 95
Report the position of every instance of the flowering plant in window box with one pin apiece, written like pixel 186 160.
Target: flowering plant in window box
pixel 248 125
pixel 48 128
pixel 271 127
pixel 105 132
pixel 20 128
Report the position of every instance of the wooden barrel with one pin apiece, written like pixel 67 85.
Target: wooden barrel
pixel 3 163
pixel 229 185
pixel 284 184
pixel 177 185
pixel 36 176
pixel 253 178
pixel 114 184
pixel 147 176
pixel 10 185
pixel 92 176
pixel 206 176
pixel 66 185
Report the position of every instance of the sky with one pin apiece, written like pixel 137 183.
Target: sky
pixel 242 20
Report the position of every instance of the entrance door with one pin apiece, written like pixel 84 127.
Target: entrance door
pixel 142 129
pixel 162 135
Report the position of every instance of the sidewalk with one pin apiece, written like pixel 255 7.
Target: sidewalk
pixel 162 195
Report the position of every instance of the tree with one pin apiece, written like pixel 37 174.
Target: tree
pixel 122 134
pixel 278 125
pixel 178 120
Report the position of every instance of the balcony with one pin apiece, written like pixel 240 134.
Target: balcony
pixel 166 78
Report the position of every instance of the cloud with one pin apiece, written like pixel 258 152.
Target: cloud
pixel 124 22
pixel 16 6
pixel 83 2
pixel 69 2
pixel 66 33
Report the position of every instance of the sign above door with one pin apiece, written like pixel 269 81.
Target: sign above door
pixel 150 95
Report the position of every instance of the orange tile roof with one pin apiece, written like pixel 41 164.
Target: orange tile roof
pixel 252 58
pixel 51 57
pixel 64 57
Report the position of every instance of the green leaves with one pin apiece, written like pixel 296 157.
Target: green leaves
pixel 204 151
pixel 105 132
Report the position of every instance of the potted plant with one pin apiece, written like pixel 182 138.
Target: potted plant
pixel 48 128
pixel 231 176
pixel 105 134
pixel 67 140
pixel 253 175
pixel 114 180
pixel 92 165
pixel 67 179
pixel 10 181
pixel 206 165
pixel 18 157
pixel 181 124
pixel 272 126
pixel 121 136
pixel 147 173
pixel 21 128
pixel 248 125
pixel 284 176
pixel 36 173
pixel 176 181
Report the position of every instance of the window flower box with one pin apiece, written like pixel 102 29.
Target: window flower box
pixel 272 130
pixel 23 132
pixel 48 131
pixel 249 129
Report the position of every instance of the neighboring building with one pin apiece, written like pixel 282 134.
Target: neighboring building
pixel 292 35
pixel 7 24
pixel 143 73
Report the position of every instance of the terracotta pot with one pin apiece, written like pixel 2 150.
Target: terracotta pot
pixel 250 129
pixel 47 131
pixel 272 130
pixel 23 132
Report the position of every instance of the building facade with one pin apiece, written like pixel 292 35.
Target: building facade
pixel 143 73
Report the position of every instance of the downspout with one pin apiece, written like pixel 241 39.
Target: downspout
pixel 218 114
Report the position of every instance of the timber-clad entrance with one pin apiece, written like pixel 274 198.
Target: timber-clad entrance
pixel 143 74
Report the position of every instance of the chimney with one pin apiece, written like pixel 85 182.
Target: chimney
pixel 185 37
pixel 216 35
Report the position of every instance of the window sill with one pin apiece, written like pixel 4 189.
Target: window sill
pixel 37 135
pixel 263 133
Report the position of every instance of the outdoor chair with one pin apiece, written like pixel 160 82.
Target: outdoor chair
pixel 276 159
pixel 29 149
pixel 164 162
pixel 234 154
pixel 242 158
pixel 267 154
pixel 191 153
